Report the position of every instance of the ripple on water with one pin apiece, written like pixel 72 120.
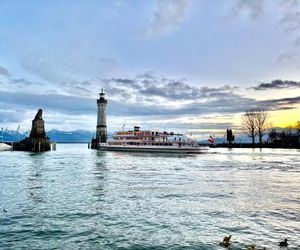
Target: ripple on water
pixel 79 198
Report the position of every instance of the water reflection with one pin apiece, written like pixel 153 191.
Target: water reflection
pixel 100 172
pixel 154 155
pixel 35 177
pixel 118 200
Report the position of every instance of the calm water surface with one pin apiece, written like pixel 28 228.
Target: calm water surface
pixel 76 198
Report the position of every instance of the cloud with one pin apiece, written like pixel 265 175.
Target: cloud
pixel 4 72
pixel 169 15
pixel 54 102
pixel 175 99
pixel 8 80
pixel 9 116
pixel 56 64
pixel 147 98
pixel 280 104
pixel 290 24
pixel 277 84
pixel 252 8
pixel 290 16
pixel 287 56
pixel 178 90
pixel 178 124
pixel 288 21
pixel 21 82
pixel 149 88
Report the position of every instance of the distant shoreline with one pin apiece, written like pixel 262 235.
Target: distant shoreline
pixel 57 142
pixel 219 145
pixel 249 145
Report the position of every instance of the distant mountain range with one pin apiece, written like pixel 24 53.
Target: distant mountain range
pixel 55 135
pixel 85 136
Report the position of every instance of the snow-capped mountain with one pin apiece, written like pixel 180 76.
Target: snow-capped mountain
pixel 55 135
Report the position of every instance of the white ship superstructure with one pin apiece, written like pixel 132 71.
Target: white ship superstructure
pixel 137 140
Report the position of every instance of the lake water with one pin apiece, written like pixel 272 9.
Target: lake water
pixel 76 198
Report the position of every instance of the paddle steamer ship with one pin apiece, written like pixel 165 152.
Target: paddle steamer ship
pixel 137 140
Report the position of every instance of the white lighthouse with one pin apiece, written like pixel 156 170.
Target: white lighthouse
pixel 101 132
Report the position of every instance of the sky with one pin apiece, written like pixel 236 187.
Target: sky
pixel 184 65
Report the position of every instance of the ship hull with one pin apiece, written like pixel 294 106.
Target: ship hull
pixel 153 149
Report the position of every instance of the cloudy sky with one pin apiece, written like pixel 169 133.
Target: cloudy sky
pixel 181 64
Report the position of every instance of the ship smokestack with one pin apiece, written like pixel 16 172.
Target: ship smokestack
pixel 101 132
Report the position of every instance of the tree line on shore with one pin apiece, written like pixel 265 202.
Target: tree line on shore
pixel 255 122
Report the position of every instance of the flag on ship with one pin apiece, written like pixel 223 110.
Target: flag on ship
pixel 211 139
